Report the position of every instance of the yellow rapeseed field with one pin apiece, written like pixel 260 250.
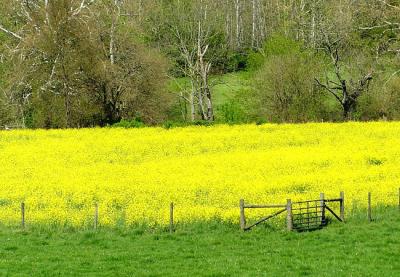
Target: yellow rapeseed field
pixel 134 174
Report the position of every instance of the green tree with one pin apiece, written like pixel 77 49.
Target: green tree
pixel 81 63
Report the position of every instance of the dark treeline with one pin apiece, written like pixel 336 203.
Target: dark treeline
pixel 80 63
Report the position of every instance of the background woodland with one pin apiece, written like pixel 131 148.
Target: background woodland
pixel 84 63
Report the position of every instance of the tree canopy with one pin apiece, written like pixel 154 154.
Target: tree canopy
pixel 79 63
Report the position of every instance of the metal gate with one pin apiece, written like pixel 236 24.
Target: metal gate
pixel 301 216
pixel 308 215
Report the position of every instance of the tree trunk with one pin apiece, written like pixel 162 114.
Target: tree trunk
pixel 349 107
pixel 210 110
pixel 200 96
pixel 238 23
pixel 67 104
pixel 115 19
pixel 254 17
pixel 192 106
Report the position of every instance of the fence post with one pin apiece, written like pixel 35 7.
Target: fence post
pixel 96 215
pixel 322 197
pixel 171 218
pixel 289 215
pixel 342 206
pixel 369 207
pixel 23 215
pixel 242 215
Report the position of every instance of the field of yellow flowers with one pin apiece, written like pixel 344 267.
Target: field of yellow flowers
pixel 135 173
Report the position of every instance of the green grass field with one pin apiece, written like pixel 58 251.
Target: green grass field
pixel 224 87
pixel 357 248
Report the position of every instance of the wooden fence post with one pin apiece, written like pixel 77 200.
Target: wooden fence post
pixel 96 215
pixel 322 198
pixel 342 206
pixel 289 215
pixel 23 215
pixel 369 207
pixel 171 218
pixel 242 215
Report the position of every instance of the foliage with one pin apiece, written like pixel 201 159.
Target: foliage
pixel 285 90
pixel 86 67
pixel 5 112
pixel 382 101
pixel 83 63
pixel 136 123
pixel 277 45
pixel 135 173
pixel 231 112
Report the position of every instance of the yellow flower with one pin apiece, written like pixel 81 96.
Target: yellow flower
pixel 134 174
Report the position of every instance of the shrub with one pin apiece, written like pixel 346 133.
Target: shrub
pixel 286 91
pixel 136 123
pixel 276 46
pixel 231 112
pixel 382 101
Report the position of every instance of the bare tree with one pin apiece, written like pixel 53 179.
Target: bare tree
pixel 345 91
pixel 193 36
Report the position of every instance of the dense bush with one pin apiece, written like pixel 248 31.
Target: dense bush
pixel 278 45
pixel 382 101
pixel 231 112
pixel 136 123
pixel 285 90
pixel 5 113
